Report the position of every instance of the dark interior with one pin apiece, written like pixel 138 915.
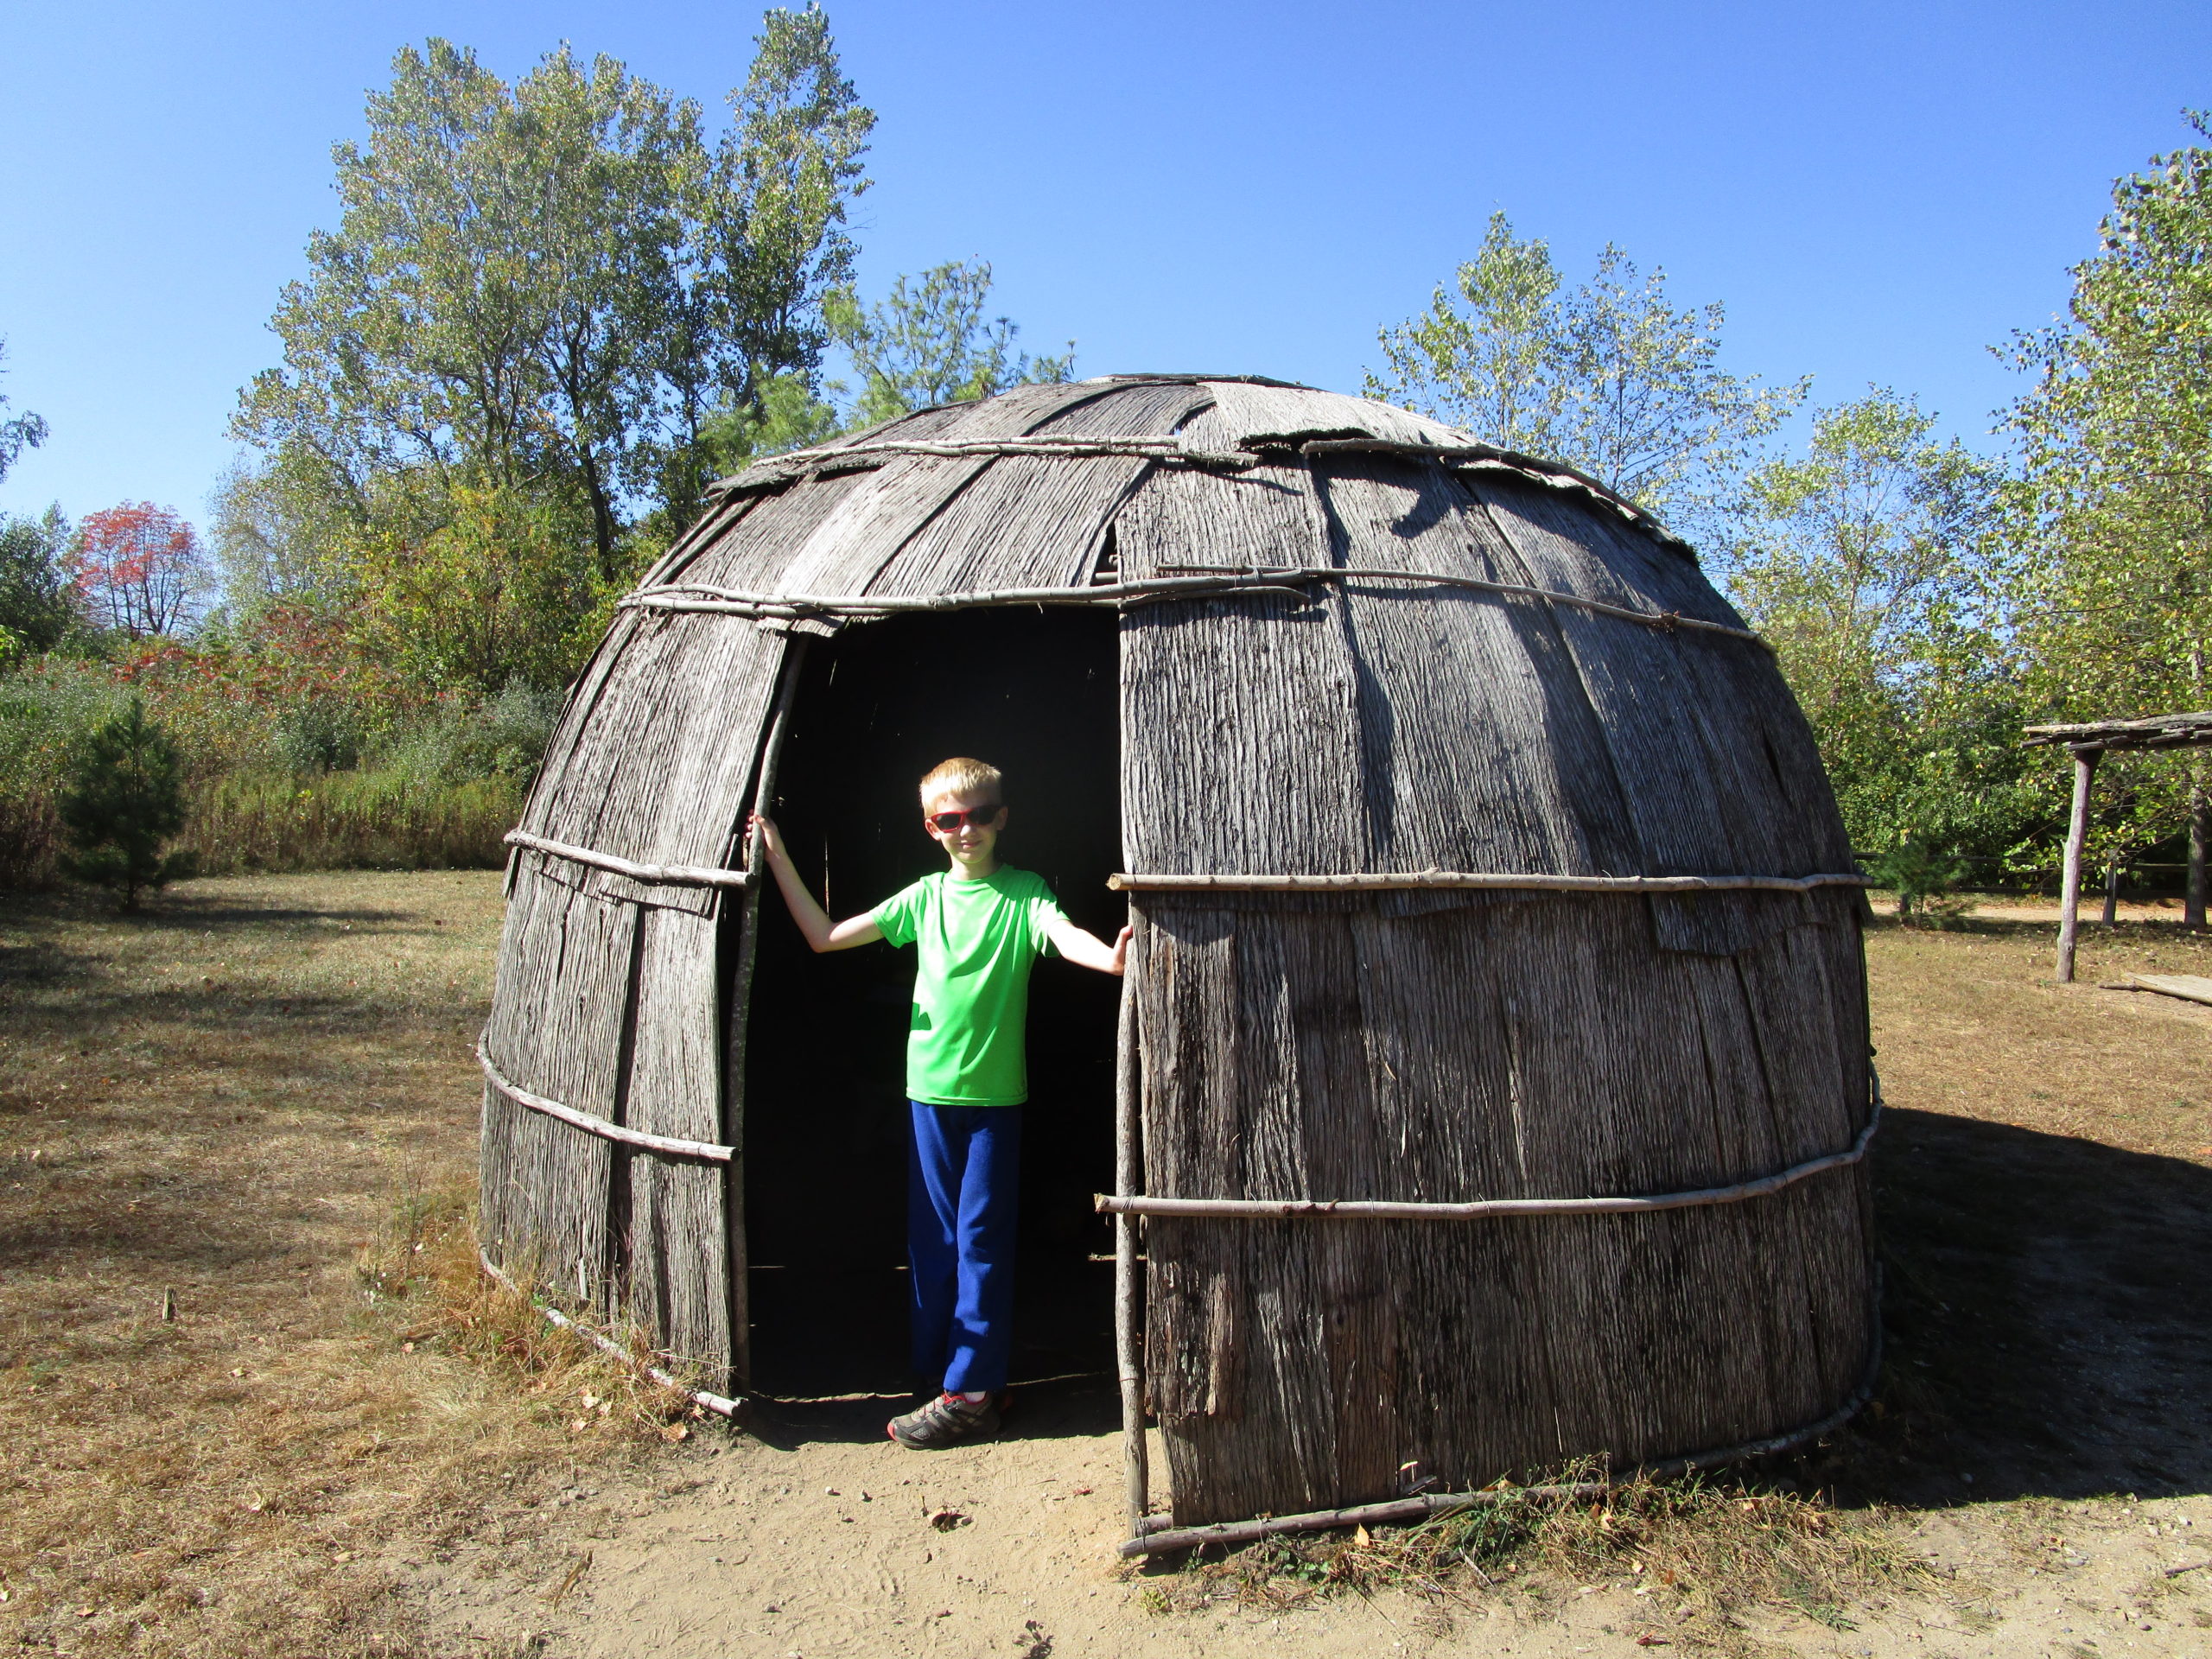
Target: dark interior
pixel 1035 694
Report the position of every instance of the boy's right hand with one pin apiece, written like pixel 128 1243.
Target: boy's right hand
pixel 772 839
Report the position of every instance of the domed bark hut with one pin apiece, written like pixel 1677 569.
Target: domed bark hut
pixel 1493 1062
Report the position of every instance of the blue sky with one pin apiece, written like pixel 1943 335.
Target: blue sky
pixel 1877 193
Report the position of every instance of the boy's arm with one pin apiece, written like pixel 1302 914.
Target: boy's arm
pixel 1087 950
pixel 813 921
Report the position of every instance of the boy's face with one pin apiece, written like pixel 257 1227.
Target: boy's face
pixel 975 835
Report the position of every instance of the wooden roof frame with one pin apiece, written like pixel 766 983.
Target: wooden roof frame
pixel 2089 741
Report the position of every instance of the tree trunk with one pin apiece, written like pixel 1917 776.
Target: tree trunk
pixel 602 520
pixel 2112 893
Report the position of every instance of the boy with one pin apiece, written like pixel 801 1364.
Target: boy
pixel 979 926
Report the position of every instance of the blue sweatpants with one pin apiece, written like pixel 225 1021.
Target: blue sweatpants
pixel 963 1191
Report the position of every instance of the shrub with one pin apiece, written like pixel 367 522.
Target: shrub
pixel 123 800
pixel 503 736
pixel 45 713
pixel 1920 875
pixel 318 736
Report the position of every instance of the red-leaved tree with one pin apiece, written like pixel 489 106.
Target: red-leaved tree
pixel 138 568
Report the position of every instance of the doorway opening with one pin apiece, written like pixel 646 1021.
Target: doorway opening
pixel 1036 695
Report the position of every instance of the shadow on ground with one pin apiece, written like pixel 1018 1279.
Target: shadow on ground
pixel 1055 1408
pixel 2049 1314
pixel 830 1351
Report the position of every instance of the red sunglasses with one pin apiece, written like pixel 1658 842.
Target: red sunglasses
pixel 980 817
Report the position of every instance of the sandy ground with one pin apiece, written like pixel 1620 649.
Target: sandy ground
pixel 827 1550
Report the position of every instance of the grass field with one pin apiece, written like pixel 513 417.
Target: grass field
pixel 256 1102
pixel 225 1102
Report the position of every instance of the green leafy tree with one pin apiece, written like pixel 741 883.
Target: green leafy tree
pixel 23 431
pixel 546 289
pixel 2111 589
pixel 497 593
pixel 269 547
pixel 1863 562
pixel 1609 377
pixel 766 246
pixel 35 606
pixel 927 343
pixel 788 415
pixel 122 803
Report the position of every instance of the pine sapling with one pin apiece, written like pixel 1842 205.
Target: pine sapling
pixel 123 801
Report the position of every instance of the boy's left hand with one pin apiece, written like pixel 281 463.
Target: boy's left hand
pixel 1121 951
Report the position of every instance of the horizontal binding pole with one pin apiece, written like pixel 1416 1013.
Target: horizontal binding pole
pixel 1398 1509
pixel 1158 1541
pixel 666 1146
pixel 799 463
pixel 1481 1209
pixel 737 602
pixel 671 876
pixel 1481 881
pixel 1202 583
pixel 715 1402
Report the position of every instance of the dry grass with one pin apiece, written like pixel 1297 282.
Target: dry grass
pixel 1970 1023
pixel 349 820
pixel 1697 1556
pixel 243 1099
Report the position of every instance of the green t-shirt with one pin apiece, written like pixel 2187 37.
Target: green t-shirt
pixel 977 942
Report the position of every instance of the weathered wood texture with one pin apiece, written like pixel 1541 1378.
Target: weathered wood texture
pixel 1431 1046
pixel 609 997
pixel 1443 1047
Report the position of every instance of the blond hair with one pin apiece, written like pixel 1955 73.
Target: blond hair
pixel 961 776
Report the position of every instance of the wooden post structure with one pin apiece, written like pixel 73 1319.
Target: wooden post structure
pixel 2077 831
pixel 1129 1336
pixel 741 1015
pixel 2086 742
pixel 2200 819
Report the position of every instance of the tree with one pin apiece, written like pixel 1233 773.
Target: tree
pixel 766 248
pixel 137 569
pixel 927 343
pixel 1609 378
pixel 1863 563
pixel 25 431
pixel 547 288
pixel 36 603
pixel 786 416
pixel 497 593
pixel 2112 588
pixel 269 547
pixel 123 800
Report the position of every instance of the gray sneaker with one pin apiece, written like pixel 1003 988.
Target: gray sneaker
pixel 946 1421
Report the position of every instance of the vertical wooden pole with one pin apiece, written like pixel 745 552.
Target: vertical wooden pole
pixel 2200 832
pixel 1129 1337
pixel 2070 881
pixel 741 1014
pixel 2200 816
